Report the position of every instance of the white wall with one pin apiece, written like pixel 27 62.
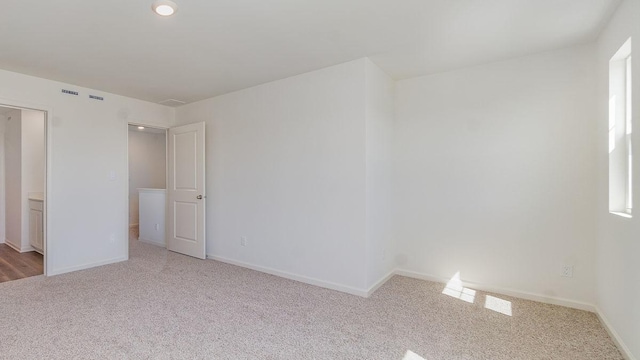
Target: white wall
pixel 494 174
pixel 286 169
pixel 86 209
pixel 13 179
pixel 153 216
pixel 379 130
pixel 618 243
pixel 147 166
pixel 33 165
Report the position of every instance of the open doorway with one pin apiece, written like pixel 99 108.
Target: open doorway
pixel 166 196
pixel 22 192
pixel 147 184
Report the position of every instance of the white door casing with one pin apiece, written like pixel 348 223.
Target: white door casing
pixel 186 191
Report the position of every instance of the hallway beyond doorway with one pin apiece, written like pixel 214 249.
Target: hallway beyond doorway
pixel 15 265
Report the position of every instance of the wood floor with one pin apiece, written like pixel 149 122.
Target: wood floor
pixel 15 265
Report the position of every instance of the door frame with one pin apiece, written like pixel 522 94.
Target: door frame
pixel 47 244
pixel 126 158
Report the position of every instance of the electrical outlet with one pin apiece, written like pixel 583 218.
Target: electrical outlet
pixel 243 241
pixel 157 227
pixel 567 270
pixel 112 238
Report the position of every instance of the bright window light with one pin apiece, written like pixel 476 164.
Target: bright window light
pixel 612 124
pixel 628 126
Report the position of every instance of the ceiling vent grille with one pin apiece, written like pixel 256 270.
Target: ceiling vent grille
pixel 172 102
pixel 69 92
pixel 95 97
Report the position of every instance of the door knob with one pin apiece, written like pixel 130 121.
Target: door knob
pixel 199 197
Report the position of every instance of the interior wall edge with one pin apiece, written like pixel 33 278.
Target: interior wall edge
pixel 55 271
pixel 151 242
pixel 17 248
pixel 617 269
pixel 624 349
pixel 380 282
pixel 295 277
pixel 574 304
pixel 12 245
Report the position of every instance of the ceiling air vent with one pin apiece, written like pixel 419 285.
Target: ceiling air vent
pixel 172 102
pixel 95 97
pixel 70 92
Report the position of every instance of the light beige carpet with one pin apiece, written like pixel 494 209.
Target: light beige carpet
pixel 161 305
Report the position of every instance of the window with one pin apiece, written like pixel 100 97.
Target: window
pixel 620 133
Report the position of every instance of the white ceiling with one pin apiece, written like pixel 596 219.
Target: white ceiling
pixel 211 47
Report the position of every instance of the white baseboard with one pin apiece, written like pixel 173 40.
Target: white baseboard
pixel 504 291
pixel 380 282
pixel 86 266
pixel 12 245
pixel 290 276
pixel 27 248
pixel 624 350
pixel 152 242
pixel 412 274
pixel 19 249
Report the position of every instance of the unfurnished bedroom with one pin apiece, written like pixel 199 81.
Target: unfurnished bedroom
pixel 354 179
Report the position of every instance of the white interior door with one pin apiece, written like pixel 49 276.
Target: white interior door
pixel 186 191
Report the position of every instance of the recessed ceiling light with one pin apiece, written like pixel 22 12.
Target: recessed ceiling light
pixel 140 127
pixel 164 7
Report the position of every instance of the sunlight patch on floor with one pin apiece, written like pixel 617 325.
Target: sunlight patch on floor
pixel 498 305
pixel 455 289
pixel 410 355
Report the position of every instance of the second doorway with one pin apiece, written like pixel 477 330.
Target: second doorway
pixel 147 184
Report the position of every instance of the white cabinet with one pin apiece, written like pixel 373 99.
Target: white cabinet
pixel 36 229
pixel 152 204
